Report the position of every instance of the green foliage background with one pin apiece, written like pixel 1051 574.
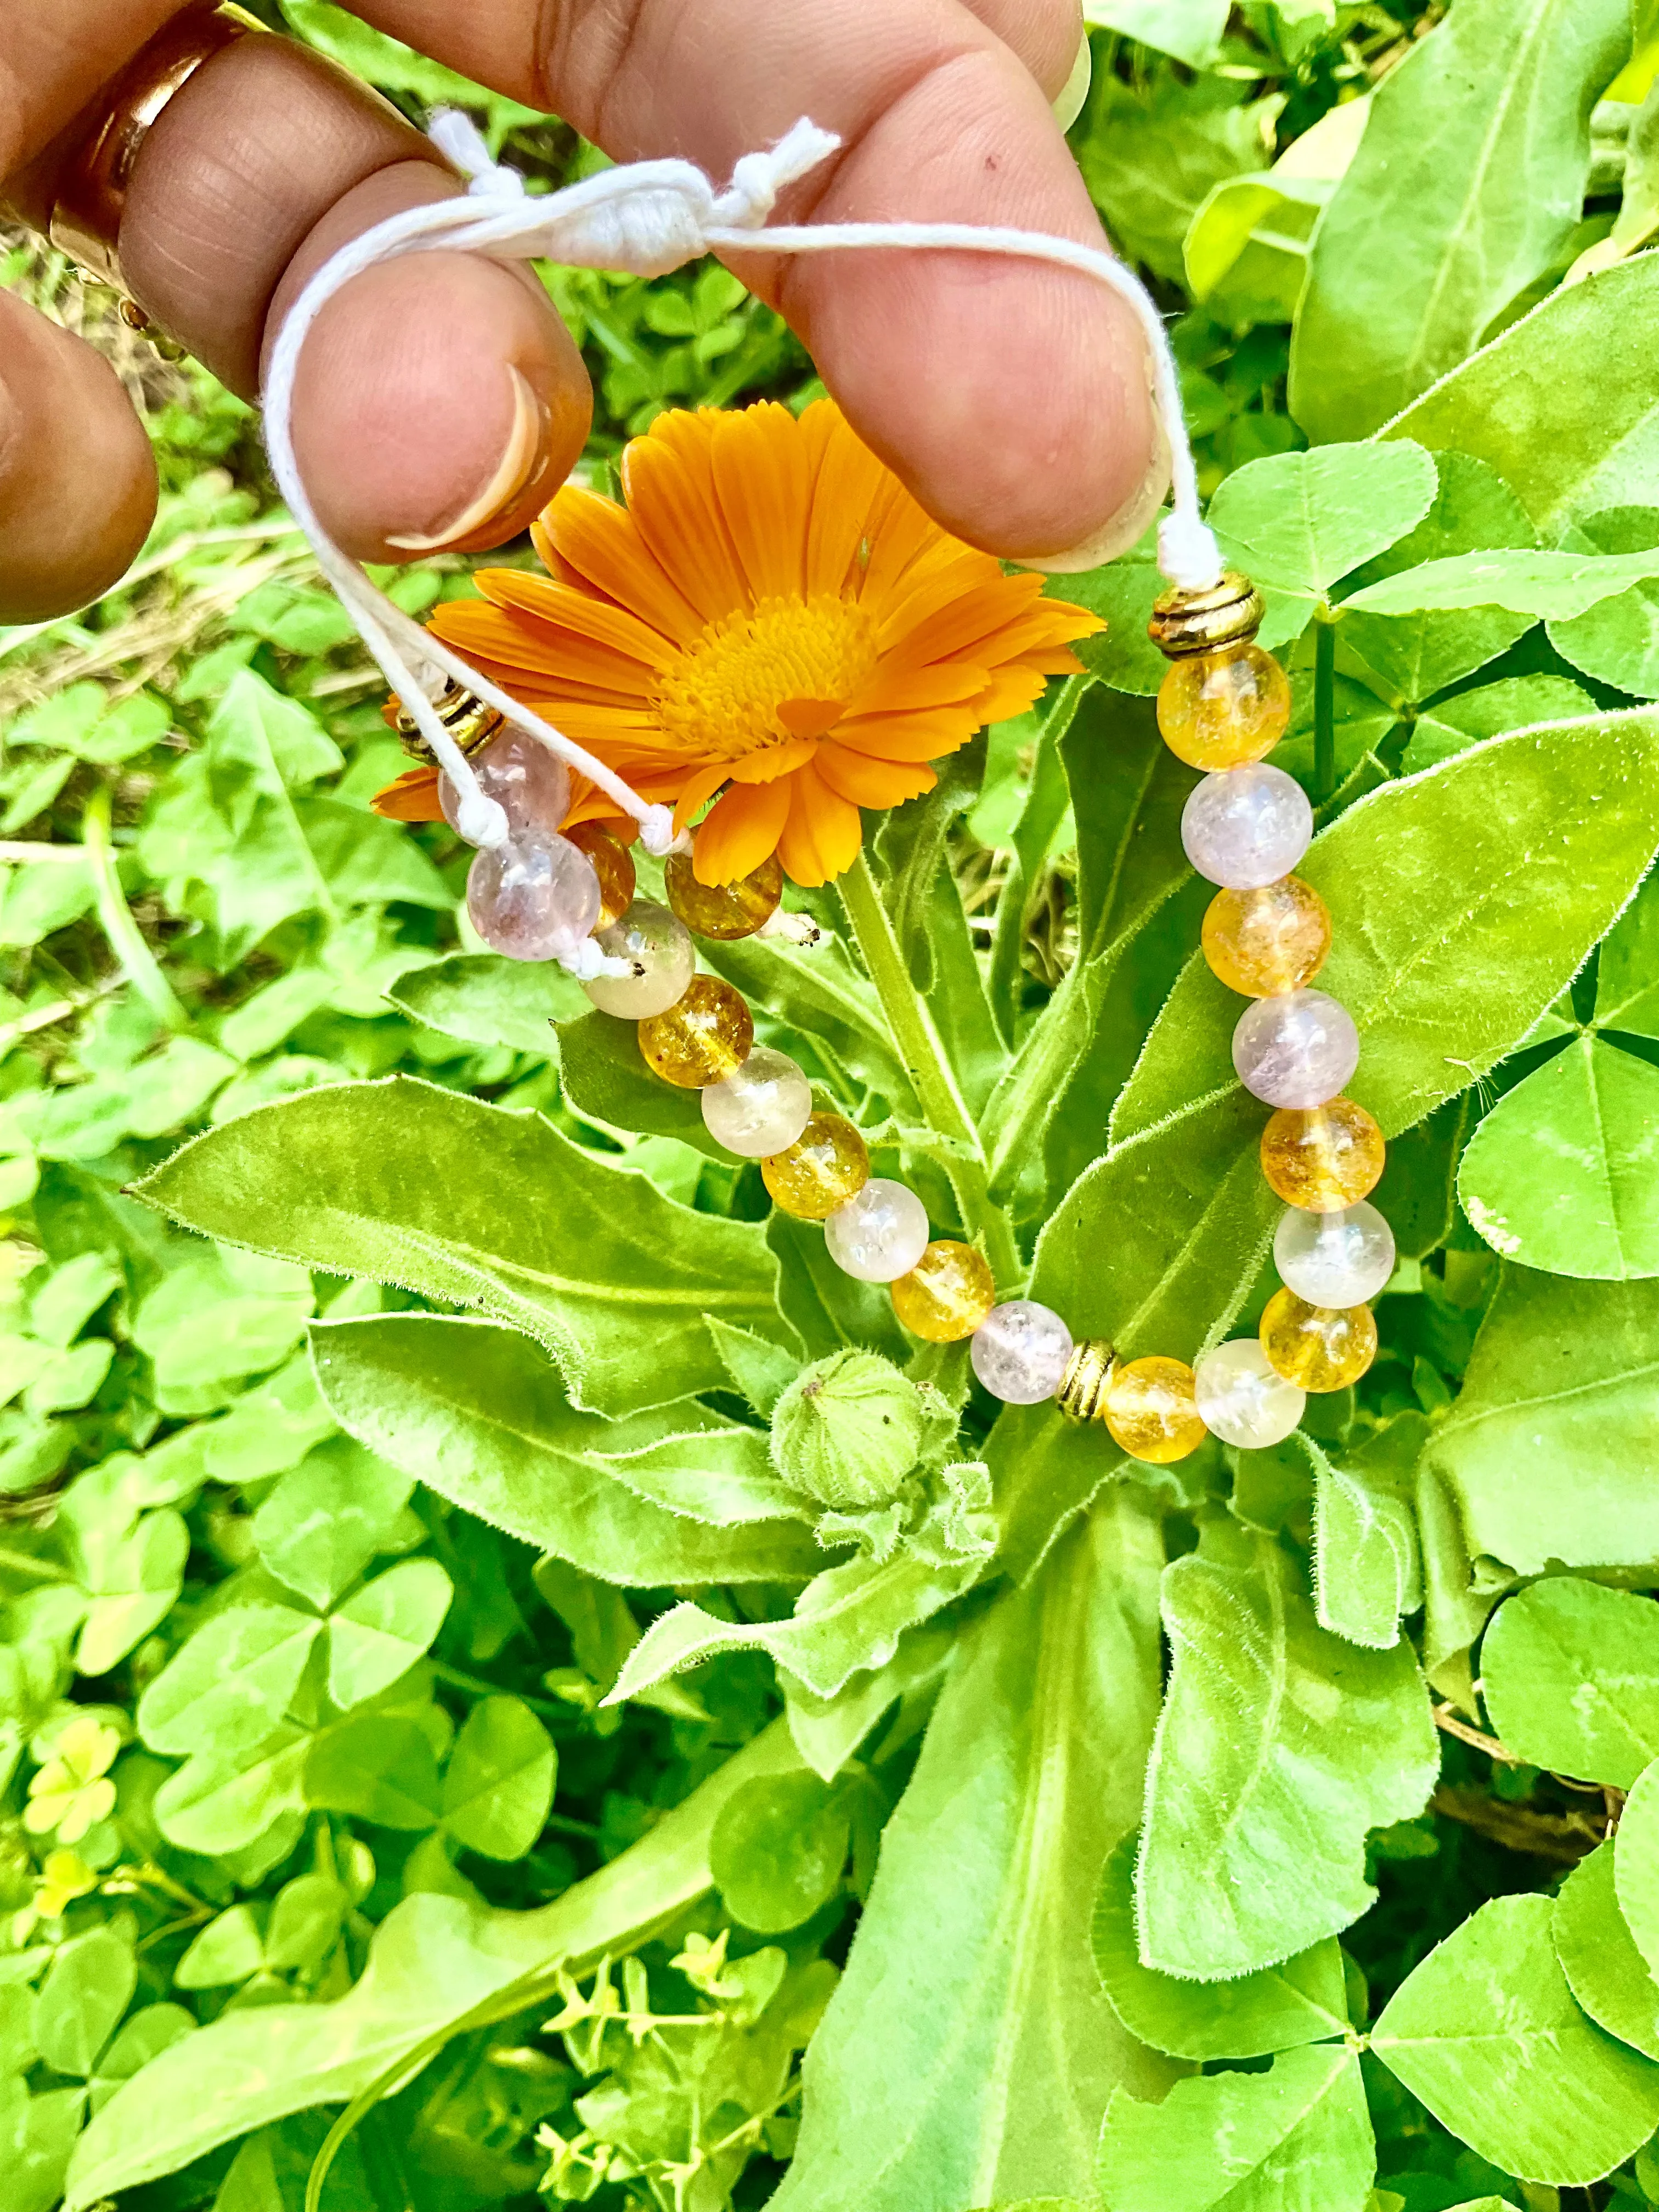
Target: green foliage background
pixel 409 1715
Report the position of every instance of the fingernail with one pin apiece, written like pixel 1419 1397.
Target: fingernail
pixel 512 471
pixel 1075 90
pixel 1121 531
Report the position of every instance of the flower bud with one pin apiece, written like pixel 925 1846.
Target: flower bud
pixel 848 1431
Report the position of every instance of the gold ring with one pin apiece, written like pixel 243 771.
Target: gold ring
pixel 86 217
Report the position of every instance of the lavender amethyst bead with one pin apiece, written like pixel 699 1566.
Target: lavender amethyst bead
pixel 1298 1050
pixel 536 899
pixel 529 782
pixel 1246 827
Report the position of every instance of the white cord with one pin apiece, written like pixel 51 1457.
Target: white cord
pixel 645 217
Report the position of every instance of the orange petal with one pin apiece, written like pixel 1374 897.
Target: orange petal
pixel 902 691
pixel 1013 690
pixel 412 797
pixel 849 480
pixel 741 830
pixel 809 718
pixel 602 543
pixel 770 762
pixel 873 782
pixel 903 529
pixel 822 834
pixel 765 490
pixel 579 612
pixel 668 477
pixel 703 785
pixel 947 620
pixel 911 737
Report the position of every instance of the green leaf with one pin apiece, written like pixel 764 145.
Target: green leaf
pixel 1636 1863
pixel 44 897
pixel 1571 1675
pixel 146 2033
pixel 497 1210
pixel 1029 1773
pixel 133 1579
pixel 1545 1451
pixel 1189 29
pixel 225 1799
pixel 432 1960
pixel 1605 1971
pixel 375 1637
pixel 486 1001
pixel 379 1767
pixel 1365 1555
pixel 1487 2033
pixel 1297 522
pixel 606 1081
pixel 1556 584
pixel 498 1787
pixel 1566 444
pixel 88 1987
pixel 1302 2001
pixel 1151 152
pixel 1244 2142
pixel 1466 186
pixel 1617 640
pixel 848 1618
pixel 1122 656
pixel 1515 702
pixel 778 1849
pixel 305 1923
pixel 1417 655
pixel 1560 1176
pixel 477 1415
pixel 327 1518
pixel 1627 974
pixel 227 1950
pixel 217 1317
pixel 1280 1746
pixel 232 1682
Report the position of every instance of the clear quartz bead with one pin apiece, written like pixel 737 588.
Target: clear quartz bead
pixel 880 1234
pixel 1339 1259
pixel 1020 1351
pixel 760 1108
pixel 529 781
pixel 1298 1050
pixel 655 941
pixel 535 898
pixel 1246 827
pixel 1241 1400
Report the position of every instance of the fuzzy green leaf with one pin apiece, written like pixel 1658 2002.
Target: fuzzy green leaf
pixel 1468 181
pixel 1487 2033
pixel 1563 1173
pixel 1605 1971
pixel 1302 2001
pixel 1627 975
pixel 1029 1773
pixel 486 1001
pixel 1636 1863
pixel 1280 1746
pixel 1545 1452
pixel 1553 585
pixel 477 1414
pixel 1571 1674
pixel 410 1184
pixel 1245 2143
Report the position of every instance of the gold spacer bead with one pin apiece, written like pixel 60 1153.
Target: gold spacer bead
pixel 1228 613
pixel 466 717
pixel 1082 1391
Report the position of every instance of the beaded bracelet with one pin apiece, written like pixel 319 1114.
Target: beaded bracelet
pixel 1222 706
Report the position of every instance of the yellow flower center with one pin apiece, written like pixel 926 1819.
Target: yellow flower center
pixel 722 696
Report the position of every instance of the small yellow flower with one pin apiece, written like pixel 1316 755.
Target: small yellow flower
pixel 64 1877
pixel 770 623
pixel 73 1791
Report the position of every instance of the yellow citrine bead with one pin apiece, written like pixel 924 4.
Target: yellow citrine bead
pixel 613 863
pixel 702 1037
pixel 947 1294
pixel 1317 1347
pixel 1267 941
pixel 1152 1410
pixel 1224 709
pixel 1322 1158
pixel 725 911
pixel 825 1166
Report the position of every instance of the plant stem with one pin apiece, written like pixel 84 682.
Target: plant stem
pixel 922 1050
pixel 125 940
pixel 1324 709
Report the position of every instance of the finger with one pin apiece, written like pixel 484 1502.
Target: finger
pixel 77 479
pixel 51 58
pixel 441 400
pixel 1013 397
pixel 1045 34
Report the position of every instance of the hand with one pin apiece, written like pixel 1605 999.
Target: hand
pixel 440 401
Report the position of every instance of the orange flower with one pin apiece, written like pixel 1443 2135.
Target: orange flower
pixel 771 618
